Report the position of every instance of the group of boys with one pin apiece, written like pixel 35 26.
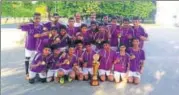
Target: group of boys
pixel 65 52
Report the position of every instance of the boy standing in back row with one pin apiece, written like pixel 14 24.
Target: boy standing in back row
pixel 139 32
pixel 32 29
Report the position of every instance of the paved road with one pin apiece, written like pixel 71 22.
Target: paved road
pixel 161 74
pixel 9 25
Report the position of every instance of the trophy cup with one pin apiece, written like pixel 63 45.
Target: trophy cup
pixel 95 66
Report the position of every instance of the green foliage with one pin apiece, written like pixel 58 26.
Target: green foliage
pixel 127 8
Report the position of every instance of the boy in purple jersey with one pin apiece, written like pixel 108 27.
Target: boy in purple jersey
pixel 54 23
pixel 137 57
pixel 126 33
pixel 79 51
pixel 139 32
pixel 83 34
pixel 68 66
pixel 105 20
pixel 87 59
pixel 53 63
pixel 39 65
pixel 32 29
pixel 93 33
pixel 101 36
pixel 114 33
pixel 64 38
pixel 54 37
pixel 72 30
pixel 121 65
pixel 107 57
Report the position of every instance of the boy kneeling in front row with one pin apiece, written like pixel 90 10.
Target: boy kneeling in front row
pixel 39 65
pixel 87 58
pixel 137 57
pixel 68 66
pixel 53 62
pixel 121 65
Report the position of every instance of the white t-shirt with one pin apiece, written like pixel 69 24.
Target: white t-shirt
pixel 78 24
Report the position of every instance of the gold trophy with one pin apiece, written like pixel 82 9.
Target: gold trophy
pixel 95 66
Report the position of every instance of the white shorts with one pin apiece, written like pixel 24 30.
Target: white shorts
pixel 33 74
pixel 66 72
pixel 29 53
pixel 114 48
pixel 51 73
pixel 87 71
pixel 117 75
pixel 134 74
pixel 103 72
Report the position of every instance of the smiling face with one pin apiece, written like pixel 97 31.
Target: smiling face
pixel 54 32
pixel 62 32
pixel 105 18
pixel 71 22
pixel 71 51
pixel 114 21
pixel 101 28
pixel 88 47
pixel 106 46
pixel 78 17
pixel 93 17
pixel 46 51
pixel 136 22
pixel 37 19
pixel 80 46
pixel 56 51
pixel 56 18
pixel 135 42
pixel 122 48
pixel 83 29
pixel 126 23
pixel 93 26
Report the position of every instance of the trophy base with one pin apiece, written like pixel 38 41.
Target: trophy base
pixel 94 83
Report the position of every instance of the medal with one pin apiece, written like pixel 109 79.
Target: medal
pixel 68 62
pixel 50 35
pixel 119 36
pixel 43 63
pixel 44 28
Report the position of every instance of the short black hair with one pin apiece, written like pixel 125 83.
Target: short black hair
pixel 126 19
pixel 94 22
pixel 105 15
pixel 135 39
pixel 47 46
pixel 113 17
pixel 101 24
pixel 83 25
pixel 71 18
pixel 55 14
pixel 37 14
pixel 78 42
pixel 88 43
pixel 105 42
pixel 54 47
pixel 54 28
pixel 71 46
pixel 63 27
pixel 135 18
pixel 122 45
